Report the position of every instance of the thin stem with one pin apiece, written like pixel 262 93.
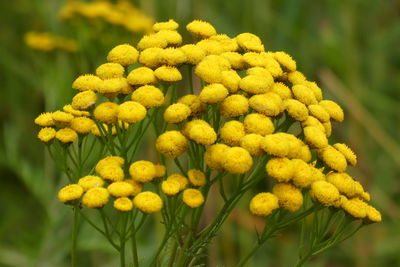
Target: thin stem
pixel 74 235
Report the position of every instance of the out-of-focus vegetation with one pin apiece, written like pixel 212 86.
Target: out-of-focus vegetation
pixel 350 47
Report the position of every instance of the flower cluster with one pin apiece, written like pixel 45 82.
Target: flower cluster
pixel 47 42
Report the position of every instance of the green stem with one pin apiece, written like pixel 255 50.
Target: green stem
pixel 74 235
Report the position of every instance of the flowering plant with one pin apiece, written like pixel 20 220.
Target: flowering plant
pixel 251 122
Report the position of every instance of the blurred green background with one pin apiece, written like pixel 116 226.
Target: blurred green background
pixel 351 48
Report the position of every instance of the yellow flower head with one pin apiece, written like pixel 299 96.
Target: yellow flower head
pixel 193 198
pixel 193 53
pixel 142 171
pixel 70 193
pixel 334 110
pixel 275 145
pixel 196 177
pixel 237 160
pixel 333 158
pixel 95 198
pixel 231 132
pixel 231 80
pixel 112 173
pixel 249 42
pixel 258 70
pixel 234 106
pixel 211 67
pixel 110 160
pixel 141 76
pixel 120 189
pixel 282 90
pixel 131 112
pixel 256 84
pixel 304 94
pixel 112 87
pixel 137 187
pixel 62 117
pixel 151 57
pixel 347 153
pixel 182 180
pixel 66 135
pixel 373 214
pixel 325 192
pixel 343 182
pixel 194 103
pixel 312 121
pixel 160 170
pixel 202 134
pixel 84 100
pixel 214 156
pixel 171 37
pixel 319 112
pixel 186 129
pixel 148 202
pixel 110 70
pixel 170 187
pixel 177 113
pixel 356 208
pixel 258 124
pixel 82 125
pixel 268 104
pixel 315 137
pixel 171 144
pixel 235 59
pixel 168 74
pixel 123 54
pixel 46 134
pixel 171 25
pixel 172 56
pixel 315 88
pixel 296 109
pixel 296 77
pixel 45 119
pixel 123 204
pixel 106 112
pixel 149 96
pixel 252 143
pixel 87 82
pixel 303 175
pixel 281 169
pixel 213 93
pixel 263 204
pixel 201 29
pixel 289 196
pixel 90 181
pixel 69 109
pixel 285 60
pixel 152 40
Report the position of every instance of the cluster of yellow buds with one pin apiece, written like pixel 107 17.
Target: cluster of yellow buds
pixel 47 42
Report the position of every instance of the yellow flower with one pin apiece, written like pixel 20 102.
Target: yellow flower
pixel 151 57
pixel 343 182
pixel 234 106
pixel 123 54
pixel 356 208
pixel 110 70
pixel 171 144
pixel 258 70
pixel 255 84
pixel 347 153
pixel 194 54
pixel 282 90
pixel 84 100
pixel 62 117
pixel 120 189
pixel 87 82
pixel 263 204
pixel 315 137
pixel 70 193
pixel 258 124
pixel 201 29
pixel 168 74
pixel 249 42
pixel 131 112
pixel 218 44
pixel 137 187
pixel 213 93
pixel 268 104
pixel 281 169
pixel 312 121
pixel 196 177
pixel 235 59
pixel 188 126
pixel 315 88
pixel 214 156
pixel 66 135
pixel 193 198
pixel 296 109
pixel 285 60
pixel 231 80
pixel 289 196
pixel 90 181
pixel 110 160
pixel 304 153
pixel 334 110
pixel 123 204
pixel 170 187
pixel 172 56
pixel 141 76
pixel 303 175
pixel 296 77
pixel 112 87
pixel 194 103
pixel 231 132
pixel 45 119
pixel 252 143
pixel 166 25
pixel 69 109
pixel 182 180
pixel 160 170
pixel 142 171
pixel 319 112
pixel 202 134
pixel 325 192
pixel 328 128
pixel 333 158
pixel 171 37
pixel 82 125
pixel 96 197
pixel 148 202
pixel 46 134
pixel 210 68
pixel 272 65
pixel 112 173
pixel 373 214
pixel 149 96
pixel 106 112
pixel 304 94
pixel 276 145
pixel 152 40
pixel 340 202
pixel 237 160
